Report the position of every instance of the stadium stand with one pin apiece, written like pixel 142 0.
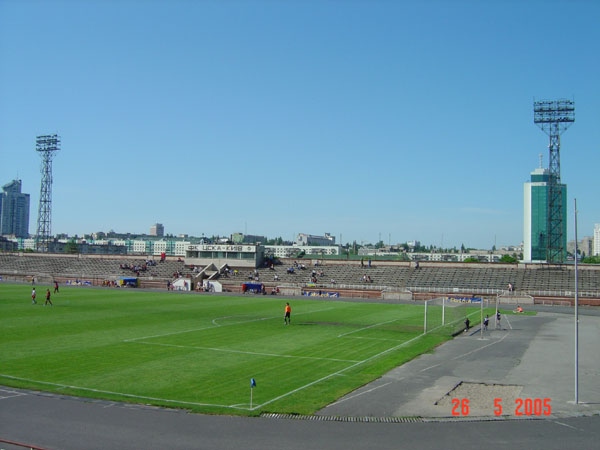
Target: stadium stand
pixel 428 280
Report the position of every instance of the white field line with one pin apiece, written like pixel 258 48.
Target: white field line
pixel 210 327
pixel 166 400
pixel 427 368
pixel 225 350
pixel 100 391
pixel 366 328
pixel 238 406
pixel 370 338
pixel 375 339
pixel 339 372
pixel 4 394
pixel 215 325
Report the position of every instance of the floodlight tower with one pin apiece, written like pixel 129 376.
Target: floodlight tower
pixel 554 117
pixel 47 146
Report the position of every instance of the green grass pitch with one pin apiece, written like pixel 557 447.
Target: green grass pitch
pixel 199 352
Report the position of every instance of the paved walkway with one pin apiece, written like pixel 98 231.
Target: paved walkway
pixel 531 357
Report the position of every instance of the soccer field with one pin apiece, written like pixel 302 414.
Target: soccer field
pixel 200 352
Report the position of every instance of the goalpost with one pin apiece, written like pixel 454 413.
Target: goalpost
pixel 446 315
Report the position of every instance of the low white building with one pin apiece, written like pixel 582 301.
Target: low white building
pixel 291 251
pixel 304 239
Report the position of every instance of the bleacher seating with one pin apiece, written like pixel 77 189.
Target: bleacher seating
pixel 67 266
pixel 554 280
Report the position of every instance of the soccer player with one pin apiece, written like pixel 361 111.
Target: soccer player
pixel 287 315
pixel 33 294
pixel 48 298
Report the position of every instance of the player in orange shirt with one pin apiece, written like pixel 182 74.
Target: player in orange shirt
pixel 288 313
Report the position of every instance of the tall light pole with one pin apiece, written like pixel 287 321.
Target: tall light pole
pixel 576 315
pixel 554 117
pixel 47 146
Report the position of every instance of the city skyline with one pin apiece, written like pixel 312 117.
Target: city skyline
pixel 102 235
pixel 388 121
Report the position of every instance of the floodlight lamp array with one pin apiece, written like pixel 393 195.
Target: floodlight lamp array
pixel 47 143
pixel 556 113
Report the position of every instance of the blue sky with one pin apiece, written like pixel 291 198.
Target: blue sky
pixel 391 120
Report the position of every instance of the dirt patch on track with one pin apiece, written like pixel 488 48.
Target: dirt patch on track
pixel 481 396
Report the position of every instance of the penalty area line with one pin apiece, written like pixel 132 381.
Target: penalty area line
pixel 215 325
pixel 216 320
pixel 245 352
pixel 366 328
pixel 337 373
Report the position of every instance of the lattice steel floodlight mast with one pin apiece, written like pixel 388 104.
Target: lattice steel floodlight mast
pixel 47 146
pixel 554 117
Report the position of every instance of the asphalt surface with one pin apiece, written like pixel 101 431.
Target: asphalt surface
pixel 529 365
pixel 528 358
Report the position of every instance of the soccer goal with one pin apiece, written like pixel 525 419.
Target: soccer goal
pixel 447 315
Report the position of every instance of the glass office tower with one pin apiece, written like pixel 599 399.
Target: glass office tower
pixel 14 210
pixel 535 226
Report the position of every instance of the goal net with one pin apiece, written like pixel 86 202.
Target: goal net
pixel 447 315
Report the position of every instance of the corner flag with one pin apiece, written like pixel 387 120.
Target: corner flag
pixel 252 386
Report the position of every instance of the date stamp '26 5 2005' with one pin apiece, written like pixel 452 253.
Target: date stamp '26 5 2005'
pixel 522 407
pixel 493 399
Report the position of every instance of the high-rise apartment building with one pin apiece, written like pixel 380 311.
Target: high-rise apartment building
pixel 586 246
pixel 157 229
pixel 14 210
pixel 535 218
pixel 596 251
